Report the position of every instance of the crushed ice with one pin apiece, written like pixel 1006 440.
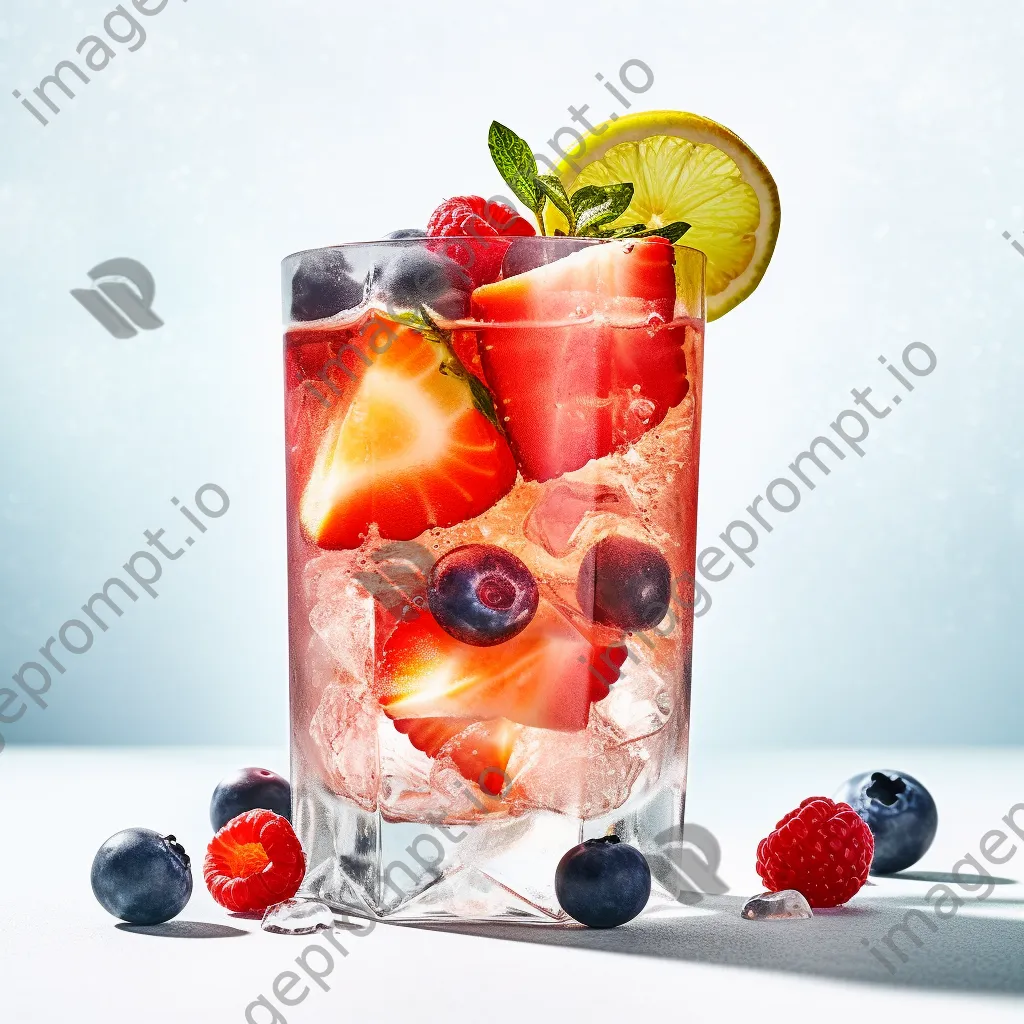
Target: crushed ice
pixel 298 917
pixel 787 905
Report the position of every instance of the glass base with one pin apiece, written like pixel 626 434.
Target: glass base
pixel 500 870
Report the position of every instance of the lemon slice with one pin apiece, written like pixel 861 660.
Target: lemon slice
pixel 689 168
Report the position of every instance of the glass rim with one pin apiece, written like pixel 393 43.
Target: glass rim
pixel 475 238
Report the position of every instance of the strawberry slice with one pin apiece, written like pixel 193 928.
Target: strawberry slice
pixel 546 676
pixel 583 357
pixel 410 451
pixel 480 750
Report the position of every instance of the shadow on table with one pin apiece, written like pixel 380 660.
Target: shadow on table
pixel 184 930
pixel 895 940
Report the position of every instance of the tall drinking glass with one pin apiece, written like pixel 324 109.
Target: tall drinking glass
pixel 492 501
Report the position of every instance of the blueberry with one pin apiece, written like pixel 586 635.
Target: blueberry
pixel 416 276
pixel 141 876
pixel 322 286
pixel 603 883
pixel 407 233
pixel 529 253
pixel 246 790
pixel 482 594
pixel 623 582
pixel 900 813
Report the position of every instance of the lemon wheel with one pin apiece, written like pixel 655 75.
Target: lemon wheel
pixel 689 168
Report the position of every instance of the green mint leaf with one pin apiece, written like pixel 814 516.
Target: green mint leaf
pixel 673 232
pixel 550 186
pixel 482 400
pixel 516 164
pixel 598 205
pixel 624 232
pixel 451 366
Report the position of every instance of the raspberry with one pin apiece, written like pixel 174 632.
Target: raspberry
pixel 479 219
pixel 822 849
pixel 253 862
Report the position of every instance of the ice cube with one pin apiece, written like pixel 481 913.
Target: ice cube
pixel 342 612
pixel 344 732
pixel 638 704
pixel 563 507
pixel 583 774
pixel 298 917
pixel 787 905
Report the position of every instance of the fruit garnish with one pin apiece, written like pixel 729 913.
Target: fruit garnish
pixel 246 790
pixel 822 849
pixel 588 211
pixel 900 812
pixel 414 277
pixel 488 223
pixel 141 876
pixel 411 451
pixel 253 862
pixel 482 594
pixel 599 362
pixel 323 286
pixel 480 750
pixel 690 168
pixel 603 882
pixel 624 582
pixel 546 676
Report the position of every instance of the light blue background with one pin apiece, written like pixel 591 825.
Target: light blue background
pixel 885 608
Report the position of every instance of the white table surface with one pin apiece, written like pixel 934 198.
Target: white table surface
pixel 62 958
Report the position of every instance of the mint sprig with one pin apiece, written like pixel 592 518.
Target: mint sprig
pixel 590 211
pixel 451 366
pixel 517 165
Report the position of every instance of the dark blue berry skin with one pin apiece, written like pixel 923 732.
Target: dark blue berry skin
pixel 900 813
pixel 407 233
pixel 482 594
pixel 416 277
pixel 603 883
pixel 142 877
pixel 623 582
pixel 529 253
pixel 246 790
pixel 322 286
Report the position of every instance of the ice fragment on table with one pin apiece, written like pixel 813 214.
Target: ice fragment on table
pixel 298 917
pixel 787 905
pixel 344 730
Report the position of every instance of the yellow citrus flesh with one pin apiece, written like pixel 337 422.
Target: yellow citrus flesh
pixel 689 168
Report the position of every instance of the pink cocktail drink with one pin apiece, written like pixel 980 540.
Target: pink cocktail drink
pixel 492 499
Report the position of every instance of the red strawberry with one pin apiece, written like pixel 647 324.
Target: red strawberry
pixel 480 750
pixel 409 452
pixel 580 390
pixel 484 221
pixel 253 862
pixel 547 676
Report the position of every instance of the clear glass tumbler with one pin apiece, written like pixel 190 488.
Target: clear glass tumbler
pixel 492 503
